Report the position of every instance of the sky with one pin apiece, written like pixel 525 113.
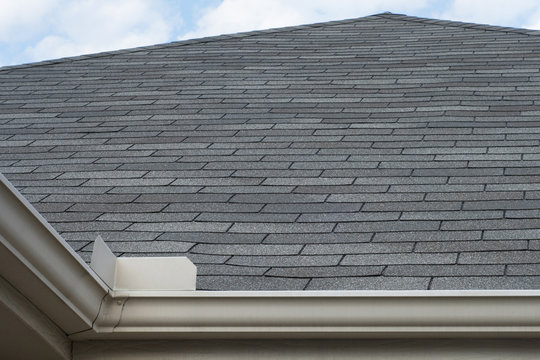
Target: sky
pixel 36 30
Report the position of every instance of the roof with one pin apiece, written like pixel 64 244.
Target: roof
pixel 54 301
pixel 386 152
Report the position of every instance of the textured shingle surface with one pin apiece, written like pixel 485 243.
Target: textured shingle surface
pixel 387 152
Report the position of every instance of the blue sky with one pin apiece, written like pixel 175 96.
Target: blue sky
pixel 35 30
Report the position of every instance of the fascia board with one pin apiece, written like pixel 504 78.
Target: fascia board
pixel 310 349
pixel 42 266
pixel 319 314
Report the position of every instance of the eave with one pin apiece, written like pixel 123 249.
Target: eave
pixel 54 289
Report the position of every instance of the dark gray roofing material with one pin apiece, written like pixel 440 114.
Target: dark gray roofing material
pixel 386 152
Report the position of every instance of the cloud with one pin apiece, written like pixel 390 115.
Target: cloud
pixel 232 16
pixel 91 26
pixel 533 21
pixel 516 13
pixel 22 19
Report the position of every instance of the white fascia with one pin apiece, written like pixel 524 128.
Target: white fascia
pixel 38 263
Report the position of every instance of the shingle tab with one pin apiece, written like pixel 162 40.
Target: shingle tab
pixel 500 257
pixel 405 258
pixel 486 282
pixel 386 152
pixel 370 283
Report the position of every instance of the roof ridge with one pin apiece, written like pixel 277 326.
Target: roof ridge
pixel 190 42
pixel 206 39
pixel 453 23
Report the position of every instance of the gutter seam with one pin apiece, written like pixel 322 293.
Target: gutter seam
pixel 120 315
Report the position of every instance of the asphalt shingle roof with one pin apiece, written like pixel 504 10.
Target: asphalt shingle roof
pixel 386 152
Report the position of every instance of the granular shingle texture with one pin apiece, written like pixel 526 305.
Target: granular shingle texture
pixel 386 152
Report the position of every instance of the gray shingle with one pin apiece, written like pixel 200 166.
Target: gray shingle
pixel 102 174
pixel 406 258
pixel 211 237
pixel 380 226
pixel 523 269
pixel 210 207
pixel 278 198
pixel 281 228
pixel 181 198
pixel 501 204
pixel 145 217
pixel 500 257
pixel 348 217
pixel 146 246
pixel 370 283
pixel 180 226
pixel 253 283
pixel 422 206
pixel 245 249
pixel 317 238
pixel 325 271
pixel 427 236
pixel 312 208
pixel 100 199
pixel 115 207
pixel 375 197
pixel 308 181
pixel 364 248
pixel 220 269
pixel 484 282
pixel 474 196
pixel 287 260
pixel 444 270
pixel 90 236
pixel 96 226
pixel 460 246
pixel 205 258
pixel 247 217
pixel 451 215
pixel 490 224
pixel 286 160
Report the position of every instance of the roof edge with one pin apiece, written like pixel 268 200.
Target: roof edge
pixel 387 15
pixel 39 265
pixel 200 40
pixel 42 266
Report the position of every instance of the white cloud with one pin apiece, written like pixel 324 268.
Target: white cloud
pixel 517 13
pixel 533 21
pixel 21 19
pixel 91 26
pixel 232 16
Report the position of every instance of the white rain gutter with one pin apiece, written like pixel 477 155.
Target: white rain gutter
pixel 42 268
pixel 317 314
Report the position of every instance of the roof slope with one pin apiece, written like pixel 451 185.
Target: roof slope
pixel 386 152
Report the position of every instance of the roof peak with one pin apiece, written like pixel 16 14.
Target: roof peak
pixel 387 14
